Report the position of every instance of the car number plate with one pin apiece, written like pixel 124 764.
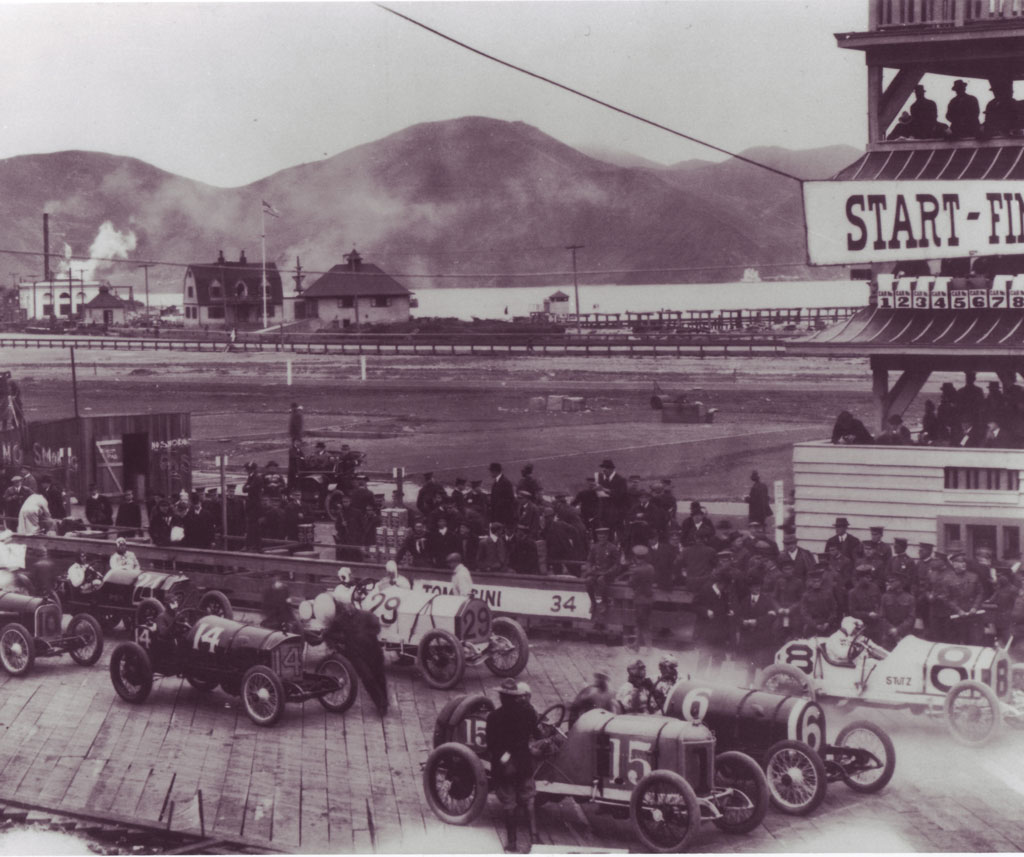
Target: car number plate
pixel 289 662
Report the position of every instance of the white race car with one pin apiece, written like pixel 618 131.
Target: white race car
pixel 969 685
pixel 443 633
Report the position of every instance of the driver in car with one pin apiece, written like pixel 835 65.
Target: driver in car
pixel 848 642
pixel 82 575
pixel 123 559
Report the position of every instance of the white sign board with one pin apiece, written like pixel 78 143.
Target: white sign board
pixel 565 603
pixel 860 222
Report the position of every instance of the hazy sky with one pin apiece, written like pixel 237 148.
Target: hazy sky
pixel 230 92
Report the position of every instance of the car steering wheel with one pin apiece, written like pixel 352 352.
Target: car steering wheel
pixel 546 721
pixel 361 588
pixel 857 645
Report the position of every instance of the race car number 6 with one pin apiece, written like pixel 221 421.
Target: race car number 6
pixel 696 703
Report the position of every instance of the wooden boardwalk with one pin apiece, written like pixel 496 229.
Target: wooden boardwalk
pixel 319 782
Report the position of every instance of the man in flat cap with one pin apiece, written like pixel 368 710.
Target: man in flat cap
pixel 897 612
pixel 599 571
pixel 641 581
pixel 818 612
pixel 963 595
pixel 714 611
pixel 597 695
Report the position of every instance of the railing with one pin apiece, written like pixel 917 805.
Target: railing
pixel 943 13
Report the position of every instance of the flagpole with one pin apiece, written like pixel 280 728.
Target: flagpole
pixel 263 245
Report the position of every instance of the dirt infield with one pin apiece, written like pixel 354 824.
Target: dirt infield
pixel 454 415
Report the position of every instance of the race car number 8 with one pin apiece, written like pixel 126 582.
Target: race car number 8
pixel 950 662
pixel 799 656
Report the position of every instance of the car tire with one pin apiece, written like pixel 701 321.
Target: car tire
pixel 513 661
pixel 664 827
pixel 131 673
pixel 88 628
pixel 967 703
pixel 216 603
pixel 17 649
pixel 203 685
pixel 339 667
pixel 881 742
pixel 332 504
pixel 738 771
pixel 475 706
pixel 263 695
pixel 785 679
pixel 455 783
pixel 442 727
pixel 439 657
pixel 147 611
pixel 796 777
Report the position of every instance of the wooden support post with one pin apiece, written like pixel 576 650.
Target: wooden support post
pixel 880 393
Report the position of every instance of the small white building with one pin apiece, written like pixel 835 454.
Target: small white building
pixel 105 308
pixel 65 297
pixel 355 294
pixel 557 304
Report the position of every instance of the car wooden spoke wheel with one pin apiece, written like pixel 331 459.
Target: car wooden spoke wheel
pixel 874 760
pixel 214 603
pixel 17 649
pixel 88 629
pixel 131 673
pixel 441 659
pixel 509 648
pixel 147 611
pixel 747 806
pixel 796 777
pixel 664 812
pixel 339 668
pixel 263 695
pixel 972 713
pixel 785 679
pixel 455 783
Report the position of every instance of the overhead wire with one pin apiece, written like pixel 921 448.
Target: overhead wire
pixel 480 275
pixel 591 98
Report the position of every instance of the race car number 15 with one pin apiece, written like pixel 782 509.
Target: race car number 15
pixel 630 761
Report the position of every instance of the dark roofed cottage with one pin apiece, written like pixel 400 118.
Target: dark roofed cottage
pixel 228 294
pixel 357 293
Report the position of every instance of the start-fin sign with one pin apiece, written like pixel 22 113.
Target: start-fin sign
pixel 852 222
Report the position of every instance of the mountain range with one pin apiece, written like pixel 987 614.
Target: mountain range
pixel 471 202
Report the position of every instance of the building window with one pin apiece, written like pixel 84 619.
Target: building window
pixel 216 291
pixel 241 291
pixel 981 479
pixel 270 310
pixel 381 301
pixel 215 312
pixel 346 303
pixel 190 292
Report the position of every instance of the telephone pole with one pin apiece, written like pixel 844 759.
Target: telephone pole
pixel 576 285
pixel 146 266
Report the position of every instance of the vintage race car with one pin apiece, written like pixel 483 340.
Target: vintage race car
pixel 443 633
pixel 660 772
pixel 968 685
pixel 31 627
pixel 115 597
pixel 264 666
pixel 786 735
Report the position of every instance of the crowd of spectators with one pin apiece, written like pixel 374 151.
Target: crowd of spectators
pixel 1003 115
pixel 965 417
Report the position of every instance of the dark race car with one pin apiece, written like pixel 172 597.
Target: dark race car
pixel 662 773
pixel 116 597
pixel 786 735
pixel 30 628
pixel 263 666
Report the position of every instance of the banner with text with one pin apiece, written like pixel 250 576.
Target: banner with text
pixel 860 222
pixel 565 603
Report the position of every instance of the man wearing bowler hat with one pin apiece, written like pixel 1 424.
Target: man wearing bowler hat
pixel 963 112
pixel 849 546
pixel 613 495
pixel 510 729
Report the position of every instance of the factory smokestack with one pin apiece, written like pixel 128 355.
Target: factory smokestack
pixel 46 247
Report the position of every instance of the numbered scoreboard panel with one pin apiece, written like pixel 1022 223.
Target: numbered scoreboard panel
pixel 1003 292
